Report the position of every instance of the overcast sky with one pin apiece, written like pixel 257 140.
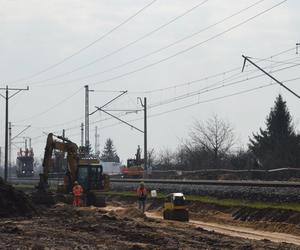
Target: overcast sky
pixel 165 50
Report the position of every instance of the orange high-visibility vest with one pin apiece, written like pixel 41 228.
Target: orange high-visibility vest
pixel 77 190
pixel 142 192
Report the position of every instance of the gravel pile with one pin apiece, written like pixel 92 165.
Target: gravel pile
pixel 268 194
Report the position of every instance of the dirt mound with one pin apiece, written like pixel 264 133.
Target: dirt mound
pixel 131 213
pixel 13 202
pixel 267 214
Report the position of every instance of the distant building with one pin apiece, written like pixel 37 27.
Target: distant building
pixel 111 168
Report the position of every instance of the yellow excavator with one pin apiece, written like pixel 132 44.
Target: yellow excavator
pixel 81 167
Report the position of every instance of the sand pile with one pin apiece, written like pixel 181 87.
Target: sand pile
pixel 131 213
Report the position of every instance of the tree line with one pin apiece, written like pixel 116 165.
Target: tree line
pixel 210 145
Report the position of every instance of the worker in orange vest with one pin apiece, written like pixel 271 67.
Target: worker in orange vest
pixel 142 195
pixel 77 192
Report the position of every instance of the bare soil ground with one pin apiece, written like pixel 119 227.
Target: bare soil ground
pixel 271 220
pixel 65 227
pixel 120 225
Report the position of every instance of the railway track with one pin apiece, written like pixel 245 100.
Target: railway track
pixel 263 191
pixel 274 184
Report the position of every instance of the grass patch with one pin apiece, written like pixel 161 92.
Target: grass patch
pixel 244 203
pixel 23 187
pixel 28 187
pixel 197 198
pixel 222 202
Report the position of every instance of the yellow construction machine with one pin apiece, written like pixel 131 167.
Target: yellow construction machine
pixel 81 167
pixel 175 207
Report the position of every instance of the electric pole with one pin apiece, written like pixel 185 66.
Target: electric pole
pixel 81 130
pixel 97 145
pixel 145 135
pixel 0 157
pixel 87 116
pixel 9 149
pixel 144 105
pixel 7 97
pixel 87 121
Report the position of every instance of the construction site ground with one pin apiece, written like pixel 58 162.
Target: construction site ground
pixel 121 225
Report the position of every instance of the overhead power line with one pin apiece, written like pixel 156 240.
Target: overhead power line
pixel 184 50
pixel 175 86
pixel 196 103
pixel 214 87
pixel 88 45
pixel 194 93
pixel 161 49
pixel 205 101
pixel 52 107
pixel 191 47
pixel 189 83
pixel 125 46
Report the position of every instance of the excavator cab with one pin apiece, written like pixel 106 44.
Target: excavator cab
pixel 90 176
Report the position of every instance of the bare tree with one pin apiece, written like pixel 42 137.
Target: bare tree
pixel 166 158
pixel 215 136
pixel 151 157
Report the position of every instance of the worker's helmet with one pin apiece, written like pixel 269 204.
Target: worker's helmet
pixel 75 182
pixel 142 183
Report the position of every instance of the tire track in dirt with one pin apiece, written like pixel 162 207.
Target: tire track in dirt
pixel 236 231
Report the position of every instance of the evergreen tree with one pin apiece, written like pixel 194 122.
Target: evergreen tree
pixel 109 152
pixel 278 145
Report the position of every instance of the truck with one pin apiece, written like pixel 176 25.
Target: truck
pixel 82 167
pixel 24 163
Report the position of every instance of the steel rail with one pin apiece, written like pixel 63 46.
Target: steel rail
pixel 212 182
pixel 275 184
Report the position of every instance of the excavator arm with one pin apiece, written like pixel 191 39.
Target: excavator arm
pixel 72 157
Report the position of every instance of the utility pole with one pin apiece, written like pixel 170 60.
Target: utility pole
pixel 144 105
pixel 7 97
pixel 87 122
pixel 0 156
pixel 97 146
pixel 81 129
pixel 145 135
pixel 87 116
pixel 246 58
pixel 9 149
